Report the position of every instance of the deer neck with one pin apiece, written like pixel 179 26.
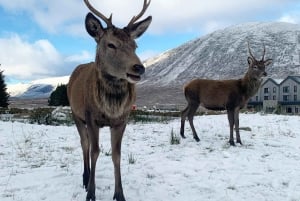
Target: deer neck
pixel 250 84
pixel 114 96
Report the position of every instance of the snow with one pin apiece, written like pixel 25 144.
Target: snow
pixel 45 163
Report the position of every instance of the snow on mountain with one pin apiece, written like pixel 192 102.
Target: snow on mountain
pixel 221 55
pixel 41 88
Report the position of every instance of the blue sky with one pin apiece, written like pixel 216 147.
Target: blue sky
pixel 47 38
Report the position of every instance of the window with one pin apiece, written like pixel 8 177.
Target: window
pixel 256 98
pixel 274 89
pixel 274 97
pixel 266 97
pixel 295 97
pixel 266 90
pixel 295 88
pixel 296 110
pixel 286 89
pixel 286 98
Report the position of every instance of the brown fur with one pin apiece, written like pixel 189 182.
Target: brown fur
pixel 101 93
pixel 230 95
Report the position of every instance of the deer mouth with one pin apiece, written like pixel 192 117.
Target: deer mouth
pixel 134 78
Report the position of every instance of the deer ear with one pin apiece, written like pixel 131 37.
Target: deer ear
pixel 93 26
pixel 137 29
pixel 268 62
pixel 250 61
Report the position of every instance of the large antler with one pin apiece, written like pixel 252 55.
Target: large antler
pixel 135 18
pixel 108 21
pixel 263 57
pixel 250 52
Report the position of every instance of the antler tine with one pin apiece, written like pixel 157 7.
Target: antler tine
pixel 135 18
pixel 263 57
pixel 250 51
pixel 108 21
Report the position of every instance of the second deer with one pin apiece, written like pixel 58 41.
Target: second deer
pixel 230 95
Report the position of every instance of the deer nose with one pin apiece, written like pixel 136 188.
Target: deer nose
pixel 265 74
pixel 140 69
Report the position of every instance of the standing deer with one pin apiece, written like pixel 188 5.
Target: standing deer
pixel 230 95
pixel 101 93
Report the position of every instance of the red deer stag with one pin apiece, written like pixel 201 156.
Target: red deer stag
pixel 230 95
pixel 101 93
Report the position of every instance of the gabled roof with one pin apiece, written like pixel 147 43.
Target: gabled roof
pixel 296 78
pixel 275 81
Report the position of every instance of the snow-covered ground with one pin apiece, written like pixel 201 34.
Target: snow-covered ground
pixel 45 162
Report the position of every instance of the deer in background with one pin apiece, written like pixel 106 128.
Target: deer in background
pixel 101 93
pixel 230 95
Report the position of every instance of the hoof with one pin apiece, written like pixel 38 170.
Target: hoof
pixel 239 141
pixel 197 138
pixel 119 197
pixel 231 142
pixel 90 197
pixel 183 136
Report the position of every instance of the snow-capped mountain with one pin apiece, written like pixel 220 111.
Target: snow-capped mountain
pixel 221 55
pixel 41 88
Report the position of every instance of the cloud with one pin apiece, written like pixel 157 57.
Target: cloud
pixel 26 61
pixel 52 16
pixel 181 16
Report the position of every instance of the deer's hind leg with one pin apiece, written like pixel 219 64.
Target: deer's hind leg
pixel 192 108
pixel 184 114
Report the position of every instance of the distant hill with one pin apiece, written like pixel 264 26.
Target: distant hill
pixel 36 89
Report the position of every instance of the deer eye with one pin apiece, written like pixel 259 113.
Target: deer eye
pixel 255 67
pixel 112 46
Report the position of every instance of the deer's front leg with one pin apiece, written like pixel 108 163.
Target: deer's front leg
pixel 116 141
pixel 230 114
pixel 237 126
pixel 93 135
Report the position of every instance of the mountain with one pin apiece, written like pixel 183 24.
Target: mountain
pixel 220 55
pixel 41 88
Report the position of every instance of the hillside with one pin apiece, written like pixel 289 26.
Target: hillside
pixel 220 55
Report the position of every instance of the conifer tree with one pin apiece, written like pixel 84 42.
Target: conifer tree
pixel 3 93
pixel 59 96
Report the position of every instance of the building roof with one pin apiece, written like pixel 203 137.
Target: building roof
pixel 296 78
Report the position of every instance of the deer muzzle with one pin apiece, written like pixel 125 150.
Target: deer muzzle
pixel 137 71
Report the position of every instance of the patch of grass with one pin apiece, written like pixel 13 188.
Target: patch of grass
pixel 131 159
pixel 174 139
pixel 148 117
pixel 245 128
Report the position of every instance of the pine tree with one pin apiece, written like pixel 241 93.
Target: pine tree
pixel 59 96
pixel 3 93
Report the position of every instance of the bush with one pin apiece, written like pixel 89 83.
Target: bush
pixel 41 116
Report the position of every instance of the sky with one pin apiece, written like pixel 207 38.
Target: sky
pixel 47 38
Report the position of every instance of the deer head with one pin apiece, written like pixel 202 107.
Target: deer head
pixel 257 68
pixel 115 55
